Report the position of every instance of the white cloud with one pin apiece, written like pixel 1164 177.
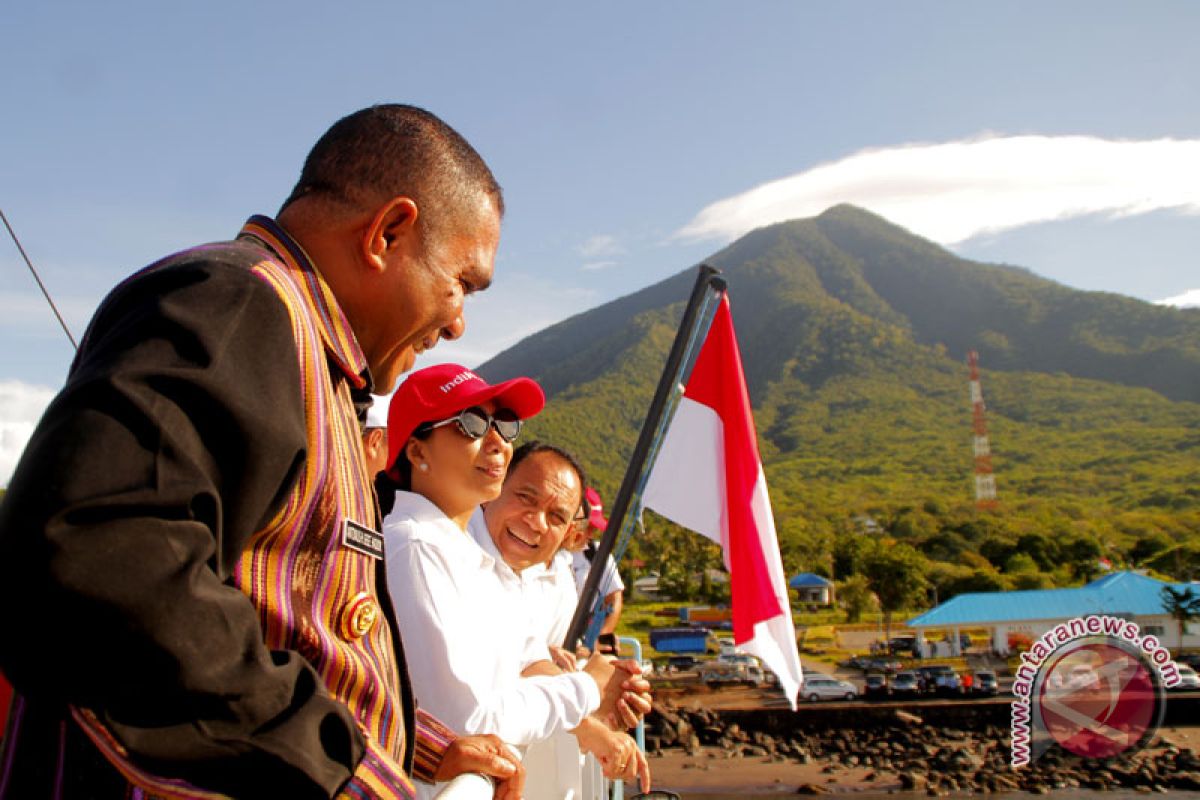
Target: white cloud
pixel 1189 299
pixel 21 406
pixel 595 266
pixel 953 191
pixel 600 246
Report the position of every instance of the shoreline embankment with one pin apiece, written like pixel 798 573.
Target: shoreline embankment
pixel 932 748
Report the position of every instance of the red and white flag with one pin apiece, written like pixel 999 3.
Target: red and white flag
pixel 708 477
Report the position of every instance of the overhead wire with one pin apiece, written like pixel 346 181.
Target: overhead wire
pixel 38 278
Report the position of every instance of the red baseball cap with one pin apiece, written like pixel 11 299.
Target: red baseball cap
pixel 437 393
pixel 596 515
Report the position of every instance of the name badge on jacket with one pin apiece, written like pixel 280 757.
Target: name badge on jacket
pixel 363 539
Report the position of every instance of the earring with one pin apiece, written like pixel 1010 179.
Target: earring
pixel 423 467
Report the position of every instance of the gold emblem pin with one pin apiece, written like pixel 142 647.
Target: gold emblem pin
pixel 359 616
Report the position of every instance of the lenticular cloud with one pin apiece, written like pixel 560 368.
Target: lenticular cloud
pixel 1189 299
pixel 953 191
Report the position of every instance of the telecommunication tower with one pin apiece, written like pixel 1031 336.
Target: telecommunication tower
pixel 985 481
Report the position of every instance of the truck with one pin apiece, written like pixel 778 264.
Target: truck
pixel 718 673
pixel 707 616
pixel 679 640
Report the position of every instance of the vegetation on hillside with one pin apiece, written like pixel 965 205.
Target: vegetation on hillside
pixel 853 333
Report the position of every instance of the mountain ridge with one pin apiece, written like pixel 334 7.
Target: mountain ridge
pixel 853 335
pixel 1014 318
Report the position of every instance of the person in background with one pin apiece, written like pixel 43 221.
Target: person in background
pixel 189 556
pixel 582 545
pixel 374 439
pixel 470 646
pixel 553 596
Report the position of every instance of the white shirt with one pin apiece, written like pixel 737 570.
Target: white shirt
pixel 611 582
pixel 554 767
pixel 552 596
pixel 466 632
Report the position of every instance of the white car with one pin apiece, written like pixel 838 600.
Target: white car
pixel 823 687
pixel 1188 679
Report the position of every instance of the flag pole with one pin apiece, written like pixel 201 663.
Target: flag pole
pixel 697 317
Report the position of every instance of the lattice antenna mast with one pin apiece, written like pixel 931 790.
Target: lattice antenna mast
pixel 985 481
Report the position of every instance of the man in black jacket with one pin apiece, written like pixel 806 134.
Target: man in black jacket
pixel 190 569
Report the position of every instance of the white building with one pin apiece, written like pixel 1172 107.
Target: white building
pixel 1029 614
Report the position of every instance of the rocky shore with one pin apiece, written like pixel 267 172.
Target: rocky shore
pixel 893 750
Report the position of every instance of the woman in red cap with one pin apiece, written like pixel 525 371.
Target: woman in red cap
pixel 450 437
pixel 467 634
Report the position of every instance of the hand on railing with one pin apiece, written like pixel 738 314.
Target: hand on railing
pixel 483 756
pixel 618 754
pixel 635 702
pixel 468 786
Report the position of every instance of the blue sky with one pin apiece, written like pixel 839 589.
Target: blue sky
pixel 626 135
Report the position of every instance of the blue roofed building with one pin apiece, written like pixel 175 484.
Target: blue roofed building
pixel 812 589
pixel 1029 614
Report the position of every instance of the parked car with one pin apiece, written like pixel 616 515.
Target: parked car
pixel 825 687
pixel 855 662
pixel 947 682
pixel 903 644
pixel 875 686
pixel 888 666
pixel 906 684
pixel 1191 659
pixel 984 682
pixel 939 679
pixel 1188 679
pixel 682 663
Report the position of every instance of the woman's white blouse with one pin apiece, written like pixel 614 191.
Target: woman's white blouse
pixel 466 631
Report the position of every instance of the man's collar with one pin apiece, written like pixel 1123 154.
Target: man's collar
pixel 478 528
pixel 336 334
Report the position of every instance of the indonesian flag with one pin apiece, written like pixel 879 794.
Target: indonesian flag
pixel 709 478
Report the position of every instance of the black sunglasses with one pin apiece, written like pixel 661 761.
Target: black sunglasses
pixel 474 423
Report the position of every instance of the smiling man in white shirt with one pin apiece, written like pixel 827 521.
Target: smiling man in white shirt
pixel 539 505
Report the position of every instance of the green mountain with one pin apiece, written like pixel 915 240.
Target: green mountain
pixel 854 333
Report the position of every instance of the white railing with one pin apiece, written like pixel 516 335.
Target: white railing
pixel 555 769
